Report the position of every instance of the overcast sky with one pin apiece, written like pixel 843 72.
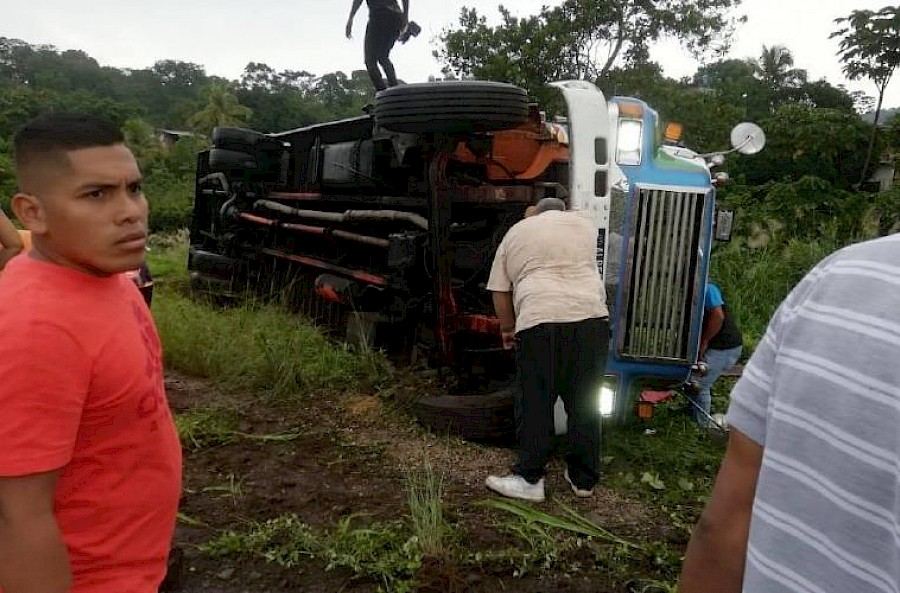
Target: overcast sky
pixel 224 35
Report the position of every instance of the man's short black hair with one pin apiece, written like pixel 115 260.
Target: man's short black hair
pixel 47 136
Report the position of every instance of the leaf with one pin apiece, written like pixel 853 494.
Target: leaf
pixel 573 522
pixel 685 484
pixel 653 480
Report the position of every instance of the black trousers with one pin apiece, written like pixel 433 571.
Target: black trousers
pixel 381 34
pixel 565 360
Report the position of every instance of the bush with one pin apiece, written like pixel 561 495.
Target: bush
pixel 171 201
pixel 807 209
pixel 756 280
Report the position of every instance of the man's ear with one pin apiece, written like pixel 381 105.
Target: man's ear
pixel 30 212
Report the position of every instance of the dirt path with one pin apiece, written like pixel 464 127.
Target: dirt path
pixel 349 456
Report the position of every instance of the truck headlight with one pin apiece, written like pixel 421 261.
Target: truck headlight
pixel 607 399
pixel 630 136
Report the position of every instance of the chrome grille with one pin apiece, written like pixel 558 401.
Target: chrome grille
pixel 663 274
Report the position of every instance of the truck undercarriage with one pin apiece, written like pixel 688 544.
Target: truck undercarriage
pixel 398 226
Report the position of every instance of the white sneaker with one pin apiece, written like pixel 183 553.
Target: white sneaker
pixel 579 492
pixel 515 486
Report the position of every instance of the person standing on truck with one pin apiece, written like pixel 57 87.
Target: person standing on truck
pixel 90 462
pixel 721 344
pixel 549 297
pixel 386 22
pixel 806 497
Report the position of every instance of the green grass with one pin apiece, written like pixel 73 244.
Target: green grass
pixel 249 346
pixel 425 497
pixel 167 258
pixel 202 428
pixel 384 552
pixel 255 347
pixel 389 553
pixel 756 280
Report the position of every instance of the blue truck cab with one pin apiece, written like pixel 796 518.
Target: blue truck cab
pixel 655 206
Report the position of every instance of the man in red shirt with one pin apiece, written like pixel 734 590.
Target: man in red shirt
pixel 90 463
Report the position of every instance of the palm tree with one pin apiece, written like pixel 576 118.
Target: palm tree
pixel 775 68
pixel 222 109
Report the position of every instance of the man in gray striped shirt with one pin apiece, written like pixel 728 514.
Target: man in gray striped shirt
pixel 808 495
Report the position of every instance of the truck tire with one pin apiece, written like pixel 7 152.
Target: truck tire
pixel 226 160
pixel 472 417
pixel 241 139
pixel 451 107
pixel 223 135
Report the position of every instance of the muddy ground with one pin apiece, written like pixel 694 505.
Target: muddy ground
pixel 350 456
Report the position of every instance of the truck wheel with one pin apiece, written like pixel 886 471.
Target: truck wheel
pixel 451 107
pixel 472 417
pixel 239 139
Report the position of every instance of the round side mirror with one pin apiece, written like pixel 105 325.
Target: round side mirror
pixel 748 138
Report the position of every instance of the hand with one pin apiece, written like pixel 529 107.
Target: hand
pixel 349 29
pixel 509 340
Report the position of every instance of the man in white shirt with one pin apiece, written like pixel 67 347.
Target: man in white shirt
pixel 548 294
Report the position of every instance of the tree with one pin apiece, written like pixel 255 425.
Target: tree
pixel 259 76
pixel 222 109
pixel 775 68
pixel 870 48
pixel 823 95
pixel 862 103
pixel 178 73
pixel 804 141
pixel 344 95
pixel 582 39
pixel 140 138
pixel 736 83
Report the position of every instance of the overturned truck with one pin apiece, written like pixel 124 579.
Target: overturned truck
pixel 386 225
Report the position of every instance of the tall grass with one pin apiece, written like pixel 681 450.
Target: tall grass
pixel 425 496
pixel 252 345
pixel 255 347
pixel 756 280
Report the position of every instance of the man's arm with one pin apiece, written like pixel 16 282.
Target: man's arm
pixel 718 548
pixel 33 557
pixel 10 242
pixel 712 325
pixel 405 12
pixel 353 9
pixel 503 307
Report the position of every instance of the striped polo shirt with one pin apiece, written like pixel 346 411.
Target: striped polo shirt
pixel 821 394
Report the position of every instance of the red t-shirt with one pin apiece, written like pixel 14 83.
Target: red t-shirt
pixel 81 390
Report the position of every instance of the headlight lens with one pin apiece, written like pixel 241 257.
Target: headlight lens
pixel 607 399
pixel 628 151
